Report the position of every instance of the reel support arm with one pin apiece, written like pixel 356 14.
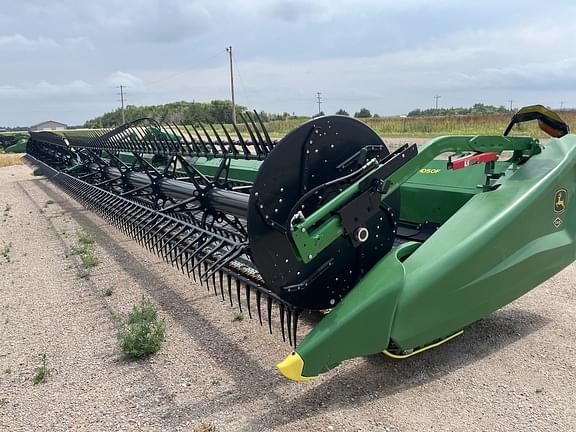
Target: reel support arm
pixel 314 233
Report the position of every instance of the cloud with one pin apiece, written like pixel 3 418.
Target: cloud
pixel 17 42
pixel 122 78
pixel 44 89
pixel 159 21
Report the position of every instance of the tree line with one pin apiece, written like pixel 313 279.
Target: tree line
pixel 478 109
pixel 220 111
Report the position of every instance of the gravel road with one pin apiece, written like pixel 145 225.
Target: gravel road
pixel 512 371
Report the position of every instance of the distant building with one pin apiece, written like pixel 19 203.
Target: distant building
pixel 49 125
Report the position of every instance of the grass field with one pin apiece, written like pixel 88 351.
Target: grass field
pixel 492 124
pixel 10 159
pixel 437 126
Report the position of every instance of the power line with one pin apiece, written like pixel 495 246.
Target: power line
pixel 169 77
pixel 242 83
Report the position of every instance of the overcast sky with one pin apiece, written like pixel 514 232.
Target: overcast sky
pixel 61 59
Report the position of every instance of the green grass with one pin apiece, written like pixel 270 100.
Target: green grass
pixel 238 316
pixel 488 124
pixel 89 260
pixel 108 291
pixel 48 202
pixel 141 332
pixel 85 250
pixel 3 402
pixel 42 372
pixel 86 237
pixel 6 212
pixel 5 251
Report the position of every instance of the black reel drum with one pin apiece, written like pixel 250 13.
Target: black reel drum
pixel 316 153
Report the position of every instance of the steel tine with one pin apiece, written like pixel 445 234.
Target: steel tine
pixel 295 326
pixel 258 305
pixel 208 280
pixel 248 301
pixel 221 278
pixel 269 307
pixel 238 293
pixel 245 148
pixel 268 140
pixel 229 287
pixel 281 307
pixel 232 147
pixel 257 131
pixel 209 138
pixel 195 145
pixel 200 139
pixel 231 255
pixel 220 143
pixel 252 137
pixel 289 324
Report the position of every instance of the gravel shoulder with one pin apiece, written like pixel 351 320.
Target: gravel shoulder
pixel 514 370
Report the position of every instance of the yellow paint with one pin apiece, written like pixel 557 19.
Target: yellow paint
pixel 291 367
pixel 426 348
pixel 429 171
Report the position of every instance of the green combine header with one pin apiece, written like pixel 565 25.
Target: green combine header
pixel 400 251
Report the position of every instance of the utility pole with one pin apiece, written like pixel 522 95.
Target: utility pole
pixel 319 98
pixel 229 49
pixel 122 87
pixel 511 102
pixel 561 105
pixel 436 98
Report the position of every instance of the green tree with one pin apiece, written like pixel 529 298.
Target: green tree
pixel 363 113
pixel 342 112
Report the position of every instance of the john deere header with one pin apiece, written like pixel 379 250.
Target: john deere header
pixel 400 250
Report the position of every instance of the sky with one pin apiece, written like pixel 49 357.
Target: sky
pixel 63 59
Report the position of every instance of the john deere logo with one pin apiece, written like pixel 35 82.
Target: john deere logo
pixel 560 200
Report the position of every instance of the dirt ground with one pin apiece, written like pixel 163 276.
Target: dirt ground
pixel 512 371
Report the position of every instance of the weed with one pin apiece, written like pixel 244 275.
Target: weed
pixel 48 202
pixel 108 291
pixel 5 251
pixel 85 251
pixel 36 172
pixel 42 372
pixel 89 260
pixel 7 371
pixel 141 333
pixel 79 250
pixel 3 402
pixel 238 316
pixel 86 237
pixel 204 427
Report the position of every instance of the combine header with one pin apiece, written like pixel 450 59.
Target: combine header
pixel 400 250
